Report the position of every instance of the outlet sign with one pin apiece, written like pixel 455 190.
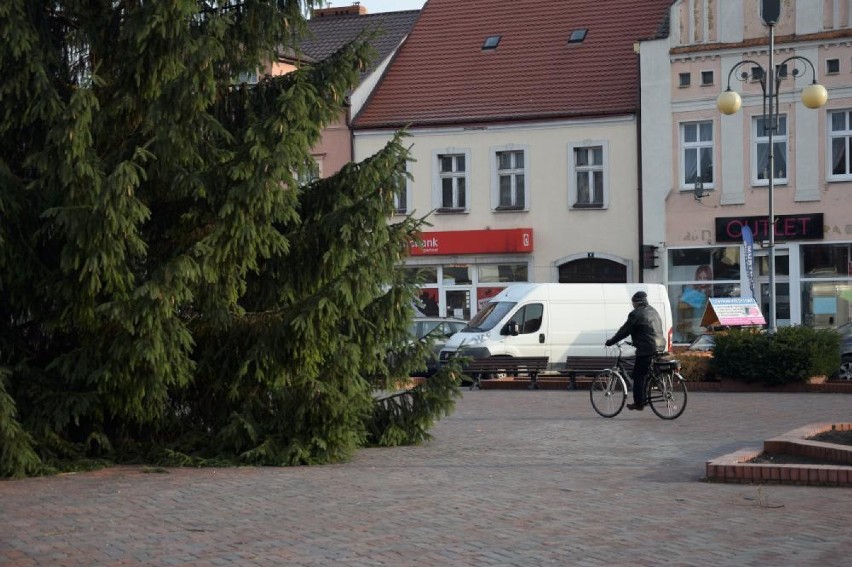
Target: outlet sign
pixel 787 227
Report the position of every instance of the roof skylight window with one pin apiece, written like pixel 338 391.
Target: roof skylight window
pixel 491 42
pixel 578 35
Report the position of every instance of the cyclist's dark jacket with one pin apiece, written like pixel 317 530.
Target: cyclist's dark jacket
pixel 645 330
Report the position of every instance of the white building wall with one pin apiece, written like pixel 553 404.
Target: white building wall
pixel 657 166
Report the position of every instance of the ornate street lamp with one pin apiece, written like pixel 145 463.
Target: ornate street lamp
pixel 729 102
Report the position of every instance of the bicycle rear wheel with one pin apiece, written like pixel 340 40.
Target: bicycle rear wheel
pixel 608 393
pixel 667 395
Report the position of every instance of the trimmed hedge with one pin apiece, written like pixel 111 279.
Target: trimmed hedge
pixel 791 355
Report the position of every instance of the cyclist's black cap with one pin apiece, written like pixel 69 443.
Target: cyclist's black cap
pixel 639 297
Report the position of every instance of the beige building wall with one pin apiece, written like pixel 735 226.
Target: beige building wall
pixel 561 233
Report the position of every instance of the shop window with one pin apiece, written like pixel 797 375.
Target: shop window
pixel 428 306
pixel 498 273
pixel 421 274
pixel 826 260
pixel 696 275
pixel 456 275
pixel 826 304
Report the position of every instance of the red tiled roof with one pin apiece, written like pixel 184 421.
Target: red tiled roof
pixel 441 76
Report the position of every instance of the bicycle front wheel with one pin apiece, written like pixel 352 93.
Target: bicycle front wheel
pixel 608 392
pixel 667 395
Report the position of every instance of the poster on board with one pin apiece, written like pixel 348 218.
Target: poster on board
pixel 732 312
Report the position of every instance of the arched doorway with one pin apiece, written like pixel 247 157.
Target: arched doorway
pixel 592 270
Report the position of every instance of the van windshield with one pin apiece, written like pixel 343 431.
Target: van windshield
pixel 487 317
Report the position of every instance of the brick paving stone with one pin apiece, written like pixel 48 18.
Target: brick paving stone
pixel 512 478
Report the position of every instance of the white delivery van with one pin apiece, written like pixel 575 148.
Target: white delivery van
pixel 554 320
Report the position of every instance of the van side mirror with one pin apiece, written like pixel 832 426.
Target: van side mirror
pixel 512 328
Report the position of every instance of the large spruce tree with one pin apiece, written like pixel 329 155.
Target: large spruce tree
pixel 168 290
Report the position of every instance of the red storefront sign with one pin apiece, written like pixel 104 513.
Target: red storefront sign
pixel 499 241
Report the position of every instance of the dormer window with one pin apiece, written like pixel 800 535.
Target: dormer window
pixel 578 35
pixel 491 42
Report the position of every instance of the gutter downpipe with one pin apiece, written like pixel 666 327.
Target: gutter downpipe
pixel 640 193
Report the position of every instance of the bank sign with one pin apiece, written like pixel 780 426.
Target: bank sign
pixel 787 227
pixel 497 241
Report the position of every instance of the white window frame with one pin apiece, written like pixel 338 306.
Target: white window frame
pixel 696 146
pixel 777 139
pixel 497 173
pixel 311 172
pixel 438 177
pixel 399 207
pixel 574 171
pixel 248 77
pixel 846 135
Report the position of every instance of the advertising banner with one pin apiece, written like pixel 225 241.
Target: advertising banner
pixel 748 258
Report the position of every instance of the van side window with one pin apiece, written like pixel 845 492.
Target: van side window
pixel 528 318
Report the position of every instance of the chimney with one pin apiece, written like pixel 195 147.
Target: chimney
pixel 356 9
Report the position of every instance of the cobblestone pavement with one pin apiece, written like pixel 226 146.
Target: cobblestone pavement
pixel 512 478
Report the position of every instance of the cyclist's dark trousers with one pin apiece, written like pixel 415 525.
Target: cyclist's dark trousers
pixel 640 373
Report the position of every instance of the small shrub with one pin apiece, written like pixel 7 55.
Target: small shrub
pixel 695 366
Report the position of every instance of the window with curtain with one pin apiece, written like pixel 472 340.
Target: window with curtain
pixel 589 168
pixel 588 176
pixel 400 197
pixel 452 170
pixel 509 191
pixel 840 138
pixel 696 140
pixel 760 150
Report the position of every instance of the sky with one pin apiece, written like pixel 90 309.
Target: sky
pixel 374 6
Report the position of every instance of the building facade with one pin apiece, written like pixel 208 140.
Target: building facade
pixel 522 120
pixel 687 144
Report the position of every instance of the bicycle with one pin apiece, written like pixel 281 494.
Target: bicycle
pixel 665 388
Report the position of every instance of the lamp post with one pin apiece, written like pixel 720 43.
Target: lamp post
pixel 729 102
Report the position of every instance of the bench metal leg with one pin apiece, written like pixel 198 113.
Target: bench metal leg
pixel 533 381
pixel 572 381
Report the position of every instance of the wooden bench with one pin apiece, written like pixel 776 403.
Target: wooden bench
pixel 590 366
pixel 520 365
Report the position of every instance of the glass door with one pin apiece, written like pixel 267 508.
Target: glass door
pixel 457 301
pixel 782 285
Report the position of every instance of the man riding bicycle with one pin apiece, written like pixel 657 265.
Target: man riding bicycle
pixel 646 332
